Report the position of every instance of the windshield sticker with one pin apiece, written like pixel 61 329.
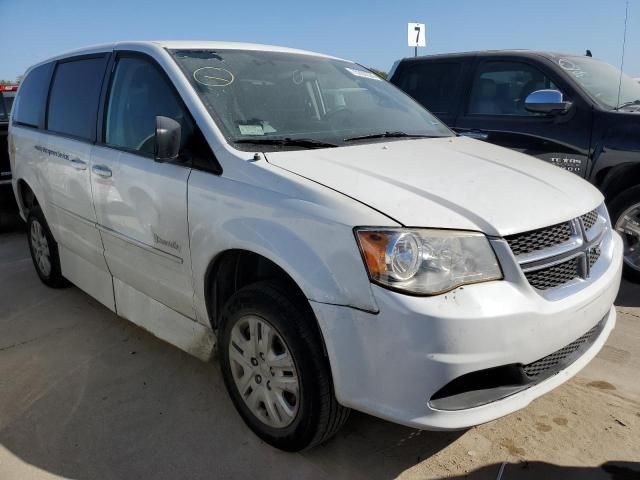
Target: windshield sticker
pixel 572 68
pixel 251 129
pixel 213 76
pixel 362 73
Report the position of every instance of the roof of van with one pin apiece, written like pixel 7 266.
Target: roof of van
pixel 183 45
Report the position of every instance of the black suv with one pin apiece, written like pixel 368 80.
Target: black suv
pixel 7 94
pixel 564 109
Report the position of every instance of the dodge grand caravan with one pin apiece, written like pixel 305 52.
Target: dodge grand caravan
pixel 574 111
pixel 336 243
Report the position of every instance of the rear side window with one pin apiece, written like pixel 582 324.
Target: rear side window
pixel 32 96
pixel 75 93
pixel 432 84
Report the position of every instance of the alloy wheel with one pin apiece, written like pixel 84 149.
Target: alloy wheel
pixel 628 225
pixel 40 247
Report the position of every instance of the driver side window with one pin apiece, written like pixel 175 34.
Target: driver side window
pixel 501 88
pixel 139 93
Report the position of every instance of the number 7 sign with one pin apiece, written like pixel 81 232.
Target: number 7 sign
pixel 417 35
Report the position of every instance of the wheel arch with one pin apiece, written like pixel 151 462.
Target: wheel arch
pixel 27 198
pixel 235 268
pixel 612 181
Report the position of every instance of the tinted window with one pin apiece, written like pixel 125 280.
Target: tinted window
pixel 75 93
pixel 4 113
pixel 431 84
pixel 139 93
pixel 32 96
pixel 500 88
pixel 8 103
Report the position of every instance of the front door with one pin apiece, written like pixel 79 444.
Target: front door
pixel 141 204
pixel 495 112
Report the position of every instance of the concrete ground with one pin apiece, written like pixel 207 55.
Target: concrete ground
pixel 87 395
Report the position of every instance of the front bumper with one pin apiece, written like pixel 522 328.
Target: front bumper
pixel 391 363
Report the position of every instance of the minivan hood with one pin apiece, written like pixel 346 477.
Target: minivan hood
pixel 451 182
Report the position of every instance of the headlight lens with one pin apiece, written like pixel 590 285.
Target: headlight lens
pixel 426 261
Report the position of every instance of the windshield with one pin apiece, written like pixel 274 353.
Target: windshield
pixel 601 80
pixel 259 97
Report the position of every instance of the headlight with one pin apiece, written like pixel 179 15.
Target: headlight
pixel 425 261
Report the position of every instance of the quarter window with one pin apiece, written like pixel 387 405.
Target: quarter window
pixel 501 88
pixel 139 93
pixel 75 93
pixel 32 96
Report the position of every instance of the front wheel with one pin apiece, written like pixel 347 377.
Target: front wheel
pixel 625 216
pixel 275 370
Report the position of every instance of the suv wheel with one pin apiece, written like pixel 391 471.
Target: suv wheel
pixel 44 250
pixel 625 215
pixel 274 367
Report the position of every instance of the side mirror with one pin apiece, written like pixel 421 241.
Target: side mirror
pixel 546 101
pixel 168 133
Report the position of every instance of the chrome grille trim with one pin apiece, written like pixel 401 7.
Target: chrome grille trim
pixel 564 262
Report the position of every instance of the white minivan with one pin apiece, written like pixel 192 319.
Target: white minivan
pixel 332 241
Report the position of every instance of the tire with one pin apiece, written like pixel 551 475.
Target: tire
pixel 42 247
pixel 627 203
pixel 289 425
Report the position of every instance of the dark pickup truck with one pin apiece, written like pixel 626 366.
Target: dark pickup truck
pixel 7 201
pixel 574 111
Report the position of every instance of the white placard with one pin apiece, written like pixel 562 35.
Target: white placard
pixel 417 35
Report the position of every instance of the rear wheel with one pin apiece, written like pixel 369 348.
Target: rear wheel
pixel 44 250
pixel 625 216
pixel 274 367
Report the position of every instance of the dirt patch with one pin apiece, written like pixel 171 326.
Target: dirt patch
pixel 512 447
pixel 601 384
pixel 560 421
pixel 543 427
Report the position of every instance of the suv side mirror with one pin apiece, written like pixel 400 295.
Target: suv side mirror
pixel 168 135
pixel 546 101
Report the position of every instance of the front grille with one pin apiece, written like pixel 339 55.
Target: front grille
pixel 554 276
pixel 589 219
pixel 594 255
pixel 523 243
pixel 549 362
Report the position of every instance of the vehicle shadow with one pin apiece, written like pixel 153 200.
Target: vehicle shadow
pixel 87 395
pixel 548 471
pixel 629 295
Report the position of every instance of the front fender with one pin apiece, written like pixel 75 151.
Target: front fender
pixel 304 228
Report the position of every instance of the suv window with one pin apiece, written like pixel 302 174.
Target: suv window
pixel 4 113
pixel 139 93
pixel 75 93
pixel 432 84
pixel 500 88
pixel 32 96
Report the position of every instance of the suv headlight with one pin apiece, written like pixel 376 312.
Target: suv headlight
pixel 426 261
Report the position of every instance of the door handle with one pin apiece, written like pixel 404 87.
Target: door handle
pixel 78 164
pixel 102 171
pixel 478 135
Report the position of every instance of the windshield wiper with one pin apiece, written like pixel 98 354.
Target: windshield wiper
pixel 628 104
pixel 388 135
pixel 287 142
